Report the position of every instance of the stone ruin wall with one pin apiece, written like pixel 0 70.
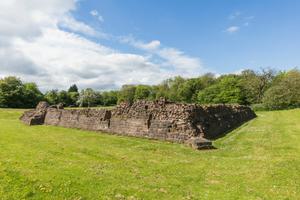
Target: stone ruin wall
pixel 175 122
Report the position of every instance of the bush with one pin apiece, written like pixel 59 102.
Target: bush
pixel 285 93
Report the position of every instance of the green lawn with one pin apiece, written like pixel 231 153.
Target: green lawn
pixel 260 160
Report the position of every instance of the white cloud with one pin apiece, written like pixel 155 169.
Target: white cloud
pixel 13 61
pixel 32 16
pixel 153 45
pixel 42 44
pixel 96 14
pixel 170 58
pixel 232 29
pixel 183 64
pixel 71 58
pixel 71 24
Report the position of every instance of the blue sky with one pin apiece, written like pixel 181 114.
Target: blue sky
pixel 267 36
pixel 104 44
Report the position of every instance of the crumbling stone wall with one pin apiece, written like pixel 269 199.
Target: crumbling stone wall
pixel 37 116
pixel 158 120
pixel 87 119
pixel 183 123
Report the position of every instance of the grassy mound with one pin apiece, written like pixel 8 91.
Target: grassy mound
pixel 260 160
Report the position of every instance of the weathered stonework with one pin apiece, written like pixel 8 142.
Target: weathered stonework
pixel 37 116
pixel 192 124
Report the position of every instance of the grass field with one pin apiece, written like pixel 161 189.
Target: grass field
pixel 260 160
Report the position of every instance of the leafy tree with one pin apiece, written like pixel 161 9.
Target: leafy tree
pixel 73 98
pixel 127 94
pixel 88 97
pixel 64 98
pixel 73 88
pixel 11 92
pixel 15 94
pixel 187 90
pixel 161 90
pixel 256 83
pixel 72 95
pixel 190 88
pixel 143 92
pixel 285 92
pixel 206 80
pixel 32 95
pixel 175 84
pixel 110 98
pixel 227 90
pixel 179 89
pixel 52 97
pixel 275 90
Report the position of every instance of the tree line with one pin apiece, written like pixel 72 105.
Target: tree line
pixel 266 90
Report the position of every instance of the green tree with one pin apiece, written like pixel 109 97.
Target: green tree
pixel 73 88
pixel 110 98
pixel 15 94
pixel 143 92
pixel 161 90
pixel 188 91
pixel 11 92
pixel 32 95
pixel 256 83
pixel 175 84
pixel 64 98
pixel 88 97
pixel 52 97
pixel 285 92
pixel 227 90
pixel 126 94
pixel 73 97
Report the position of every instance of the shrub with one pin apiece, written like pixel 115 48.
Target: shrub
pixel 285 93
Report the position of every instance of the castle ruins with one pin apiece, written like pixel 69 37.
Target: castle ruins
pixel 192 124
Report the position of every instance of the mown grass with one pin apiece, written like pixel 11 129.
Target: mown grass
pixel 260 160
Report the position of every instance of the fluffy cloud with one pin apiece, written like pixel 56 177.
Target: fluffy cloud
pixel 232 29
pixel 171 58
pixel 182 64
pixel 94 12
pixel 153 45
pixel 31 18
pixel 13 61
pixel 26 19
pixel 45 44
pixel 150 46
pixel 71 24
pixel 68 58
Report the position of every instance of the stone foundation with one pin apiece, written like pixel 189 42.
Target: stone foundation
pixel 182 123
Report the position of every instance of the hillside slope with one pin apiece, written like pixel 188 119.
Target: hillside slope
pixel 260 160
